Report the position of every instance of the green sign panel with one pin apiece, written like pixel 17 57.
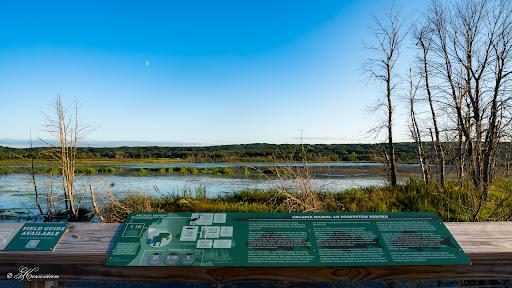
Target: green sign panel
pixel 7 232
pixel 285 239
pixel 37 237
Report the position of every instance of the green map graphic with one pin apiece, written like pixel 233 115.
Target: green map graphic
pixel 285 239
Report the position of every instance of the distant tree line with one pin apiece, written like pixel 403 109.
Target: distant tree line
pixel 405 152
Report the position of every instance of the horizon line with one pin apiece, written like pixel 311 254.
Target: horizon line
pixel 20 144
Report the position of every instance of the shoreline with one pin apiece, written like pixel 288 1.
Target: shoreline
pixel 250 169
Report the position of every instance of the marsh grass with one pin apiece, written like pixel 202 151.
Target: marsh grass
pixel 117 210
pixel 412 196
pixel 200 192
pixel 93 170
pixel 294 188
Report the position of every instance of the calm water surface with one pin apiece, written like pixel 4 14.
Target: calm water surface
pixel 17 191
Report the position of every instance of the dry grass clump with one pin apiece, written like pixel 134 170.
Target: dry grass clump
pixel 301 195
pixel 117 210
pixel 295 190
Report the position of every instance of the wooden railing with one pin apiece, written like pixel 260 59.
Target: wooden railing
pixel 82 252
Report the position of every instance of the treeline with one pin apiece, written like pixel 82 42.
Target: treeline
pixel 405 152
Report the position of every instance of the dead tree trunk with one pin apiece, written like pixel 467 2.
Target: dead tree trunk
pixel 415 131
pixel 381 67
pixel 472 41
pixel 440 158
pixel 33 173
pixel 391 147
pixel 68 132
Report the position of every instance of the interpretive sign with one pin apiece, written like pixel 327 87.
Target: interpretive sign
pixel 7 232
pixel 37 237
pixel 285 239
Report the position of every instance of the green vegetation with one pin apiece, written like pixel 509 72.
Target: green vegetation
pixel 87 170
pixel 221 171
pixel 455 201
pixel 7 170
pixel 246 172
pixel 261 152
pixel 216 171
pixel 94 170
pixel 201 192
pixel 452 203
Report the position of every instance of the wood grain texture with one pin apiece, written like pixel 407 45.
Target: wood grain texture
pixel 82 252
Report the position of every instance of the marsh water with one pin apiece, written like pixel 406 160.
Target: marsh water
pixel 17 190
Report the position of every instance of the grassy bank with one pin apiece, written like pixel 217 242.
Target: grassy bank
pixel 453 203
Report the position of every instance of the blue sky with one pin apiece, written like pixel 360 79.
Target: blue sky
pixel 205 72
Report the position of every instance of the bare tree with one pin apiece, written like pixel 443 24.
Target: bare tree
pixel 33 174
pixel 470 44
pixel 415 130
pixel 423 40
pixel 381 67
pixel 68 131
pixel 94 205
